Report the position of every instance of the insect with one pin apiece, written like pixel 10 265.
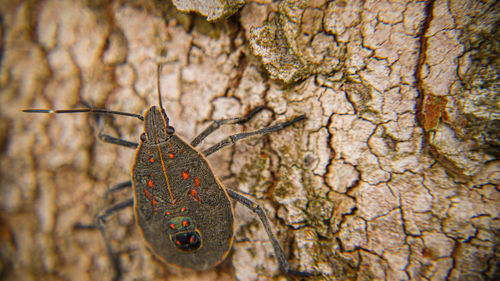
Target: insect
pixel 183 211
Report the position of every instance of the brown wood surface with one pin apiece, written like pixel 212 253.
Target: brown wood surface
pixel 393 176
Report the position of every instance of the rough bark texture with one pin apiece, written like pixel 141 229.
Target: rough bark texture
pixel 393 176
pixel 212 9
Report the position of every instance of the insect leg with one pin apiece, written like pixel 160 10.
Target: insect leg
pixel 118 186
pixel 218 123
pixel 113 140
pixel 237 137
pixel 284 266
pixel 103 137
pixel 114 209
pixel 101 219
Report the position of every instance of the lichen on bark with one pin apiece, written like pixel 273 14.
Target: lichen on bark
pixel 295 43
pixel 212 9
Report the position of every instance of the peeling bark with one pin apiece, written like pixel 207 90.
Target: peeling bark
pixel 212 9
pixel 393 176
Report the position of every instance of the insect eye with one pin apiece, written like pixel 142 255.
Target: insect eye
pixel 170 130
pixel 143 137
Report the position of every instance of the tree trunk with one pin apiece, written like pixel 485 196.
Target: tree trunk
pixel 393 176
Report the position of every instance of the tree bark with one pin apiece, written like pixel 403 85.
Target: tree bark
pixel 393 176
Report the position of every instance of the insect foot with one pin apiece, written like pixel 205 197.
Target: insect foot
pixel 183 211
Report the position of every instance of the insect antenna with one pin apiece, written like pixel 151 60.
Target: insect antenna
pixel 170 129
pixel 83 110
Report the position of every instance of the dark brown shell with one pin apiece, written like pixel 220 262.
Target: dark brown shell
pixel 171 179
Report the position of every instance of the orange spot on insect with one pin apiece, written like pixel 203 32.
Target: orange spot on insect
pixel 167 213
pixel 178 243
pixel 150 183
pixel 154 202
pixel 185 223
pixel 147 193
pixel 171 155
pixel 193 192
pixel 183 209
pixel 196 181
pixel 185 175
pixel 172 226
pixel 191 240
pixel 152 160
pixel 180 151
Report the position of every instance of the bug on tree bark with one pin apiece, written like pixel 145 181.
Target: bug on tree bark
pixel 183 211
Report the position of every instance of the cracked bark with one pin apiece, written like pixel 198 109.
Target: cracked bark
pixel 394 176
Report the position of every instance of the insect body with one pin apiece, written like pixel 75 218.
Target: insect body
pixel 182 209
pixel 178 196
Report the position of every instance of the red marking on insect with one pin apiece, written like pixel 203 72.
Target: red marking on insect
pixel 150 183
pixel 167 213
pixel 193 192
pixel 147 193
pixel 185 175
pixel 178 243
pixel 191 240
pixel 180 151
pixel 196 181
pixel 185 223
pixel 171 155
pixel 183 209
pixel 152 160
pixel 172 226
pixel 154 202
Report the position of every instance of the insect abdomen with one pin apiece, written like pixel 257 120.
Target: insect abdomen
pixel 183 185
